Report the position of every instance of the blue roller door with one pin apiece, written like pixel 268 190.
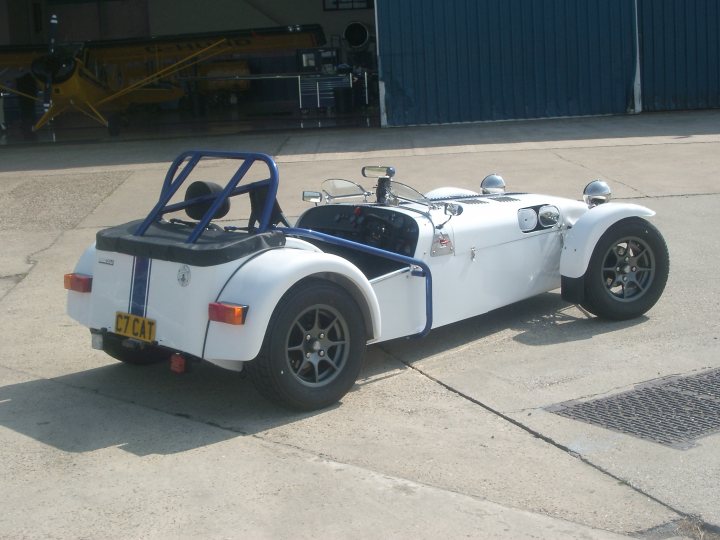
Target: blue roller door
pixel 680 46
pixel 472 60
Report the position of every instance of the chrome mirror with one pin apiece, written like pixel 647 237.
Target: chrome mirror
pixel 375 171
pixel 453 209
pixel 312 196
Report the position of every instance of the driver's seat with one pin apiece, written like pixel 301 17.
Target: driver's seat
pixel 257 203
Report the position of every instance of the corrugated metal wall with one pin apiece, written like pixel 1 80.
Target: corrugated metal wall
pixel 680 46
pixel 469 60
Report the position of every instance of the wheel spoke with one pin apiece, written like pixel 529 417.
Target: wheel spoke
pixel 316 325
pixel 331 362
pixel 299 325
pixel 330 324
pixel 308 370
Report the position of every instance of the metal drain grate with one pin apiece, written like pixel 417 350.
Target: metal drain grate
pixel 671 411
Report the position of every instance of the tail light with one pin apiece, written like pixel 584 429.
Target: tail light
pixel 81 283
pixel 227 313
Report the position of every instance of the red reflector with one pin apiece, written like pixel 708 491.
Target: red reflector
pixel 227 313
pixel 78 282
pixel 178 363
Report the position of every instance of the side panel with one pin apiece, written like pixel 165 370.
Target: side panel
pixel 402 303
pixel 581 239
pixel 261 283
pixel 478 279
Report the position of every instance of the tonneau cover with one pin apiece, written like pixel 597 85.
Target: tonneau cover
pixel 167 242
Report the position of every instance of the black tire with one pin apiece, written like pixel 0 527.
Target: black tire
pixel 313 349
pixel 627 271
pixel 112 345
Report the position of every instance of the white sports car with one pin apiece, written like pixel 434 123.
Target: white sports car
pixel 296 306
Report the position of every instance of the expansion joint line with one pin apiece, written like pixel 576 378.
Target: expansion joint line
pixel 550 441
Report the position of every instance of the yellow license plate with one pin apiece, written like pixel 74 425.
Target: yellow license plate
pixel 135 327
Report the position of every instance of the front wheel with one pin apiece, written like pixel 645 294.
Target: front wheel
pixel 627 272
pixel 313 349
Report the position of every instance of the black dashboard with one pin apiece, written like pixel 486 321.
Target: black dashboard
pixel 375 226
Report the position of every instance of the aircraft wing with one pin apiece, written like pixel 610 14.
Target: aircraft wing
pixel 14 61
pixel 165 50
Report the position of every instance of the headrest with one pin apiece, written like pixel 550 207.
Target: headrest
pixel 201 189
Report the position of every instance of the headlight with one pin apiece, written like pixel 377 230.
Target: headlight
pixel 492 183
pixel 596 192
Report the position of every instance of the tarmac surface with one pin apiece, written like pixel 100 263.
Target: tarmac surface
pixel 453 435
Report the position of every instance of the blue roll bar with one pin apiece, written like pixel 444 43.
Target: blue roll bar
pixel 188 160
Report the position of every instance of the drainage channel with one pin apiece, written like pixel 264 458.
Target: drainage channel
pixel 672 411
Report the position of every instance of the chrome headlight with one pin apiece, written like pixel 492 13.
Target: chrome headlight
pixel 492 183
pixel 596 192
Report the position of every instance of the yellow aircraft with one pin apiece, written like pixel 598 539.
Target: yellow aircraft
pixel 111 75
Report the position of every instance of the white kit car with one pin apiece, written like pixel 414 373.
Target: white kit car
pixel 296 306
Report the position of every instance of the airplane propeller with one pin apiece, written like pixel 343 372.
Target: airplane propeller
pixel 55 67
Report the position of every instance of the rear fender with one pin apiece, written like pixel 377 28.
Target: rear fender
pixel 261 283
pixel 580 241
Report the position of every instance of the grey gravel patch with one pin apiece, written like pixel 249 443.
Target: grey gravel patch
pixel 672 411
pixel 57 202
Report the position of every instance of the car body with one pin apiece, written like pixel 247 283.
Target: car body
pixel 296 306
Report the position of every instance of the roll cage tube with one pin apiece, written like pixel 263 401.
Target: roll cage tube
pixel 173 181
pixel 423 272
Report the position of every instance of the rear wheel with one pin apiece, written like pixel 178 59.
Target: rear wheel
pixel 627 272
pixel 313 349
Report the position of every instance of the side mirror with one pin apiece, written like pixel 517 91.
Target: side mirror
pixel 312 196
pixel 378 171
pixel 453 209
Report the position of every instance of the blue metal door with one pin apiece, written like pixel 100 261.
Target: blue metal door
pixel 680 45
pixel 470 60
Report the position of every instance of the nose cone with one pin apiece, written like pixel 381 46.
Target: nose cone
pixel 55 68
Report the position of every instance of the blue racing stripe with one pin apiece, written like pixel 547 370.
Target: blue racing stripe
pixel 140 286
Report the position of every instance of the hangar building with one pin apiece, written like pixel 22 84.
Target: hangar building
pixel 420 62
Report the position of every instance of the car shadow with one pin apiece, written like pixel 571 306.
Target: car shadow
pixel 151 410
pixel 545 319
pixel 143 410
